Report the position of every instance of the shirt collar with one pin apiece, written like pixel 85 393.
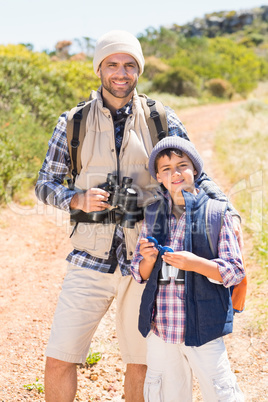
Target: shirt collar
pixel 124 111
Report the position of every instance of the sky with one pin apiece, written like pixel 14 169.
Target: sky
pixel 43 23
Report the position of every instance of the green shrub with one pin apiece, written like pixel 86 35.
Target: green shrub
pixel 11 161
pixel 40 388
pixel 34 92
pixel 25 88
pixel 153 66
pixel 178 81
pixel 219 88
pixel 236 64
pixel 23 146
pixel 79 76
pixel 225 59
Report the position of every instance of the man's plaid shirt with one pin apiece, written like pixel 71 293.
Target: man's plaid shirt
pixel 169 312
pixel 56 166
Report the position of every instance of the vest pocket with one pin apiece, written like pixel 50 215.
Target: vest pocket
pixel 224 294
pixel 95 239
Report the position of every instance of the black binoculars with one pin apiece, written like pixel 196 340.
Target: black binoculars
pixel 124 205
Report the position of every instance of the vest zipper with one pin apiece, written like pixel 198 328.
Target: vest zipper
pixel 117 155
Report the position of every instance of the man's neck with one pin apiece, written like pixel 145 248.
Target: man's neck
pixel 112 103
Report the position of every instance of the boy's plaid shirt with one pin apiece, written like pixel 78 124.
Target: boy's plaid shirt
pixel 169 312
pixel 56 166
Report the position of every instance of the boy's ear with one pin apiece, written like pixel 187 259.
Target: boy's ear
pixel 158 178
pixel 195 172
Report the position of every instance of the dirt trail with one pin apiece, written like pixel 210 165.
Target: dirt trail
pixel 33 246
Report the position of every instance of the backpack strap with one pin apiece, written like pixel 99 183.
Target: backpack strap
pixel 156 118
pixel 150 215
pixel 155 115
pixel 156 220
pixel 76 131
pixel 215 212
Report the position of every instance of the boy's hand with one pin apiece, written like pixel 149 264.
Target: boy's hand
pixel 190 262
pixel 181 259
pixel 148 250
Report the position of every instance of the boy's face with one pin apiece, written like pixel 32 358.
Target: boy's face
pixel 176 174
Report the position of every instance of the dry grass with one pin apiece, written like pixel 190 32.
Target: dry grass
pixel 241 145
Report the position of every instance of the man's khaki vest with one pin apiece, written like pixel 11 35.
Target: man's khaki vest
pixel 99 157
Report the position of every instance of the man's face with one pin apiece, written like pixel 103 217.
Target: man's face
pixel 119 75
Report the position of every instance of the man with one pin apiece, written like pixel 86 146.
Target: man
pixel 117 141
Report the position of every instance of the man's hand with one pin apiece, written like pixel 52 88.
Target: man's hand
pixel 238 231
pixel 93 199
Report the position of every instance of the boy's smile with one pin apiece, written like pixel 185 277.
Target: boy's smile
pixel 176 174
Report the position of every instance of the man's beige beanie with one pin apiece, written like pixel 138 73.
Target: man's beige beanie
pixel 117 42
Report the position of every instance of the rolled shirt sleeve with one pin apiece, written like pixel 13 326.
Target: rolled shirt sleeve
pixel 229 255
pixel 56 166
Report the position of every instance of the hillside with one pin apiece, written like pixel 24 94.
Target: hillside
pixel 31 280
pixel 225 22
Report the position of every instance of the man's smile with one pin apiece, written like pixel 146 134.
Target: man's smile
pixel 120 83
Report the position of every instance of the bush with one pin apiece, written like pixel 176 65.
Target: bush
pixel 11 162
pixel 225 59
pixel 153 66
pixel 25 88
pixel 219 88
pixel 78 75
pixel 23 146
pixel 178 80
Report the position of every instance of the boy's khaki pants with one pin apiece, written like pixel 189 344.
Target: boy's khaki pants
pixel 170 371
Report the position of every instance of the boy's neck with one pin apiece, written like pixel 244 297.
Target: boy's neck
pixel 178 198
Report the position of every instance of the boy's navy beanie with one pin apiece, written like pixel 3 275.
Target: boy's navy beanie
pixel 184 146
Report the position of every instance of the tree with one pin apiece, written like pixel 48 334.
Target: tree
pixel 86 45
pixel 62 49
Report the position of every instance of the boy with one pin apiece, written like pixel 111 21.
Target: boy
pixel 186 306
